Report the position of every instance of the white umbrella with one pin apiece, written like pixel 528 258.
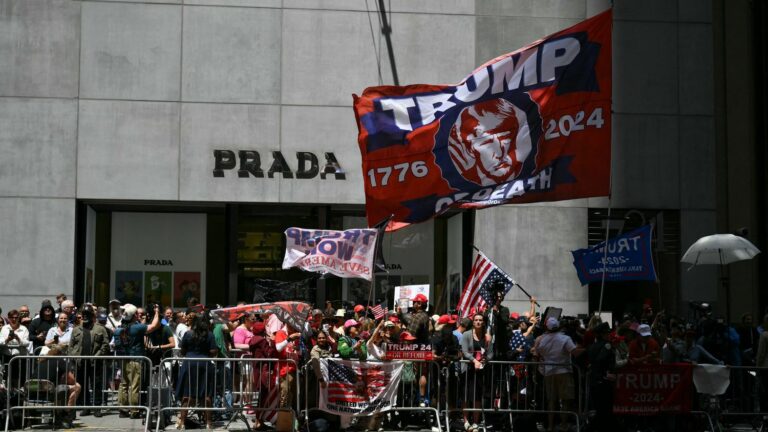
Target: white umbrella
pixel 720 249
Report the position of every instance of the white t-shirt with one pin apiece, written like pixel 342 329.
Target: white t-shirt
pixel 181 328
pixel 555 348
pixel 63 336
pixel 112 322
pixel 16 346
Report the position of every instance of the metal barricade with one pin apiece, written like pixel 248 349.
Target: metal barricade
pixel 419 392
pixel 744 402
pixel 504 393
pixel 60 384
pixel 254 387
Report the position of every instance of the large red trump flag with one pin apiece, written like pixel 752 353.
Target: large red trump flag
pixel 532 125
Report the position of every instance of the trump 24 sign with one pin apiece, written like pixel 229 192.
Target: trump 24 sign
pixel 532 125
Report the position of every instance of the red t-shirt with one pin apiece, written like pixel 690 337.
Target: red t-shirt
pixel 290 352
pixel 637 350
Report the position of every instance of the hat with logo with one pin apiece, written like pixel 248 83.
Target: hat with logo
pixel 644 330
pixel 421 298
pixel 552 323
pixel 129 311
pixel 340 313
pixel 407 336
pixel 446 319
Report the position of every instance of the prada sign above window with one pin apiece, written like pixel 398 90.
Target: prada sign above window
pixel 250 163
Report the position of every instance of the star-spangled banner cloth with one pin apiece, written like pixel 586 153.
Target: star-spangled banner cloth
pixel 528 126
pixel 477 291
pixel 358 388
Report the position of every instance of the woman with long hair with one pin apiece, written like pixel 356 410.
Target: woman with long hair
pixel 241 339
pixel 474 347
pixel 196 376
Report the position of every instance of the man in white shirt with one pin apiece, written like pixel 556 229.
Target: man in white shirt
pixel 555 349
pixel 114 317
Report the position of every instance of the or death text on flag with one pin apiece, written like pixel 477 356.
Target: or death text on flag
pixel 477 291
pixel 531 125
pixel 358 387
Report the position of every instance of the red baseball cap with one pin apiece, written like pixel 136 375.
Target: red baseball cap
pixel 421 298
pixel 446 319
pixel 406 336
pixel 359 308
pixel 514 316
pixel 394 319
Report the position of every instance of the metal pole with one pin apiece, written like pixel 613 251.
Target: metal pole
pixel 386 30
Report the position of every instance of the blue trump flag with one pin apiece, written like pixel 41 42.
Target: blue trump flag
pixel 629 258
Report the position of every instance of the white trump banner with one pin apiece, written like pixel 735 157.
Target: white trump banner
pixel 347 254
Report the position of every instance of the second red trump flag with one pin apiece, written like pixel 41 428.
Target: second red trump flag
pixel 531 125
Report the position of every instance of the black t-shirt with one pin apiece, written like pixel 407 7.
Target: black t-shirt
pixel 201 347
pixel 39 325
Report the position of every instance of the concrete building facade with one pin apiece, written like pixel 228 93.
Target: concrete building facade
pixel 112 107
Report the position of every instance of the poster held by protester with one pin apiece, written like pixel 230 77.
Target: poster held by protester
pixel 404 294
pixel 347 254
pixel 629 258
pixel 292 313
pixel 529 126
pixel 358 388
pixel 653 389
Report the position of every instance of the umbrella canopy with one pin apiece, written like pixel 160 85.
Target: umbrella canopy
pixel 720 249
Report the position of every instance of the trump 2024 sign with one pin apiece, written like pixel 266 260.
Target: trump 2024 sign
pixel 531 125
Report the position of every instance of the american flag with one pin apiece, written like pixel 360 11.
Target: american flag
pixel 485 274
pixel 355 382
pixel 379 311
pixel 271 394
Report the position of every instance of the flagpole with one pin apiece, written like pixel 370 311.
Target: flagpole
pixel 514 282
pixel 605 248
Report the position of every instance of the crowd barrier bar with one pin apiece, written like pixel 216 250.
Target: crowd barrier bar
pixel 505 387
pixel 85 368
pixel 408 393
pixel 746 396
pixel 200 378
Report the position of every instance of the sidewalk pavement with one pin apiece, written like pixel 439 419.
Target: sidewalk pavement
pixel 113 423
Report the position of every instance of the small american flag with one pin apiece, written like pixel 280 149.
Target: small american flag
pixel 485 274
pixel 379 311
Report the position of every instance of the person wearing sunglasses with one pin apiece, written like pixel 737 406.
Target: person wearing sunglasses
pixel 14 341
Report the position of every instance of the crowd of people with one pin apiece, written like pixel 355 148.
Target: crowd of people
pixel 464 343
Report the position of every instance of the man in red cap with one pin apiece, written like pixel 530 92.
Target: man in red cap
pixel 417 321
